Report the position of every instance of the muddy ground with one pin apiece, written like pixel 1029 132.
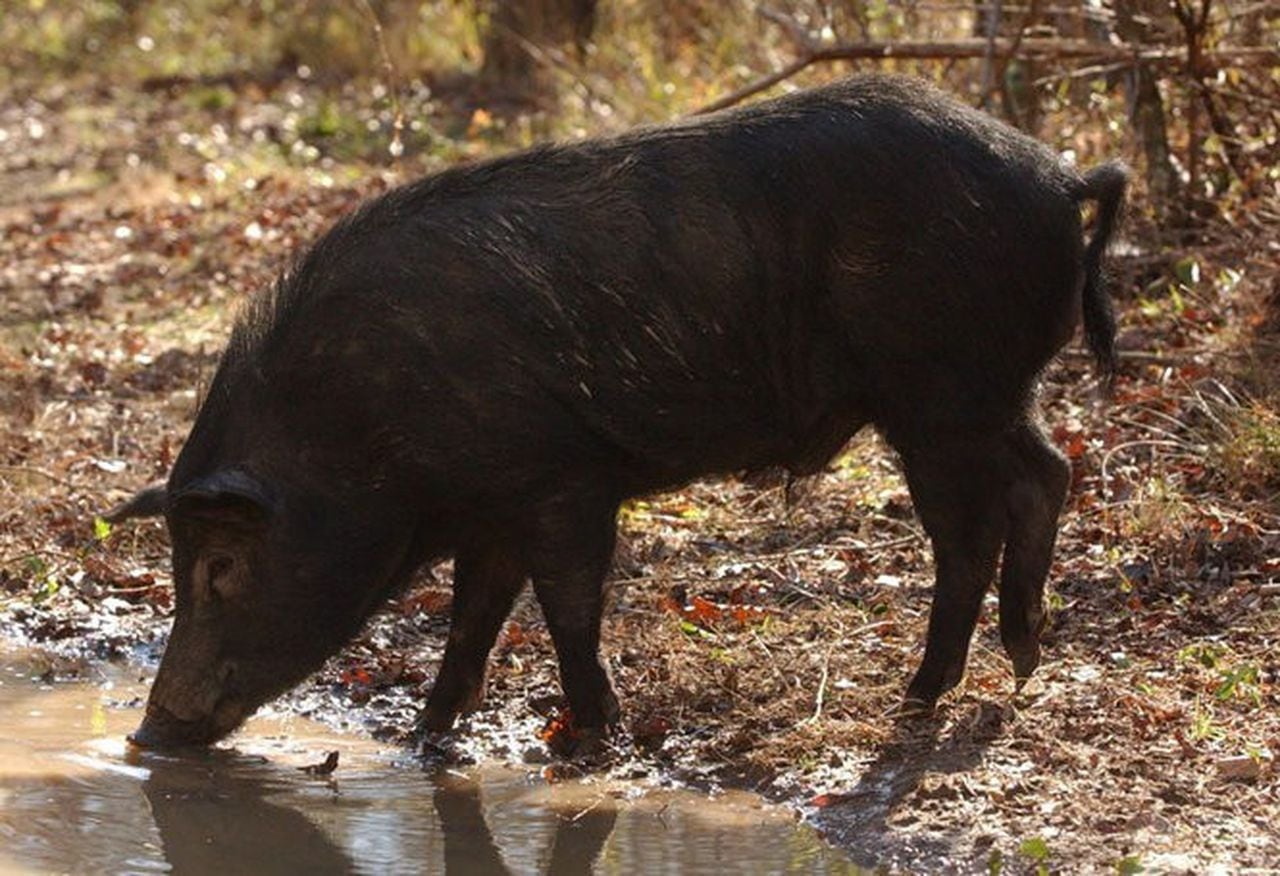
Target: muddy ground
pixel 760 632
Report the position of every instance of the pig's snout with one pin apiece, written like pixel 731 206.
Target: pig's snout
pixel 162 729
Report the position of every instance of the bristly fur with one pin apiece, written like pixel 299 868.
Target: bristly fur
pixel 486 362
pixel 303 278
pixel 418 200
pixel 871 251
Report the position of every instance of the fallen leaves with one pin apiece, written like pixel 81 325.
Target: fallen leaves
pixel 822 801
pixel 651 732
pixel 431 601
pixel 703 614
pixel 559 732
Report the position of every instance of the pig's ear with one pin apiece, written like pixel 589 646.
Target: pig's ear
pixel 148 502
pixel 229 494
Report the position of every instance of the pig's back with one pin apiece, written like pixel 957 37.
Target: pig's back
pixel 717 295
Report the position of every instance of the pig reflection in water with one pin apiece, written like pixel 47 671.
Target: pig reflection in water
pixel 219 822
pixel 73 798
pixel 469 846
pixel 213 821
pixel 232 815
pixel 484 364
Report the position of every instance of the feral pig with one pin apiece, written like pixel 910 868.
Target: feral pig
pixel 485 363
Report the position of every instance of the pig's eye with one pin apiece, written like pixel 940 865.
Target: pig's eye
pixel 220 572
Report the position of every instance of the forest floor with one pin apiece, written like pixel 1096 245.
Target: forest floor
pixel 759 633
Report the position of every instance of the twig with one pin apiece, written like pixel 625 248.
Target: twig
pixel 1144 357
pixel 39 552
pixel 233 79
pixel 896 542
pixel 1189 446
pixel 1150 411
pixel 1142 442
pixel 759 641
pixel 589 809
pixel 1041 47
pixel 794 29
pixel 822 687
pixel 1089 14
pixel 790 584
pixel 1263 6
pixel 396 147
pixel 901 524
pixel 1083 73
pixel 143 588
pixel 1206 407
pixel 1242 96
pixel 836 546
pixel 755 86
pixel 39 472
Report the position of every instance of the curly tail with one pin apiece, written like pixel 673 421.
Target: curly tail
pixel 1105 184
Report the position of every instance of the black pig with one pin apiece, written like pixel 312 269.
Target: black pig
pixel 486 362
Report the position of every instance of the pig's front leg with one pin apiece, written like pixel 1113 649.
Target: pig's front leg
pixel 486 581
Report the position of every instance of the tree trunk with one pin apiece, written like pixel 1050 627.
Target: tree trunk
pixel 1146 111
pixel 1010 78
pixel 518 37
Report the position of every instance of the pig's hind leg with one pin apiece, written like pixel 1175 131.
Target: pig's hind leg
pixel 574 537
pixel 1034 501
pixel 486 581
pixel 957 486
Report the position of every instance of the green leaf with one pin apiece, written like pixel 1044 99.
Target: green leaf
pixel 35 566
pixel 1187 271
pixel 1236 681
pixel 692 629
pixel 1034 848
pixel 51 586
pixel 1129 865
pixel 101 529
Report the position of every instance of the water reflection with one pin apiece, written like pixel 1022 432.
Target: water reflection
pixel 469 846
pixel 74 799
pixel 213 817
pixel 580 841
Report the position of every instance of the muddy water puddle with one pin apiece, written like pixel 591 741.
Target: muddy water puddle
pixel 74 798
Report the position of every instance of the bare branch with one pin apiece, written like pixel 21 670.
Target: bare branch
pixel 994 15
pixel 794 29
pixel 396 146
pixel 1043 47
pixel 1035 47
pixel 756 86
pixel 1083 73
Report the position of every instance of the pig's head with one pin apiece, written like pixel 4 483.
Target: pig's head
pixel 268 584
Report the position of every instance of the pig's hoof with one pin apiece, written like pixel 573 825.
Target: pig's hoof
pixel 912 707
pixel 440 748
pixel 1025 660
pixel 438 721
pixel 611 709
pixel 592 746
